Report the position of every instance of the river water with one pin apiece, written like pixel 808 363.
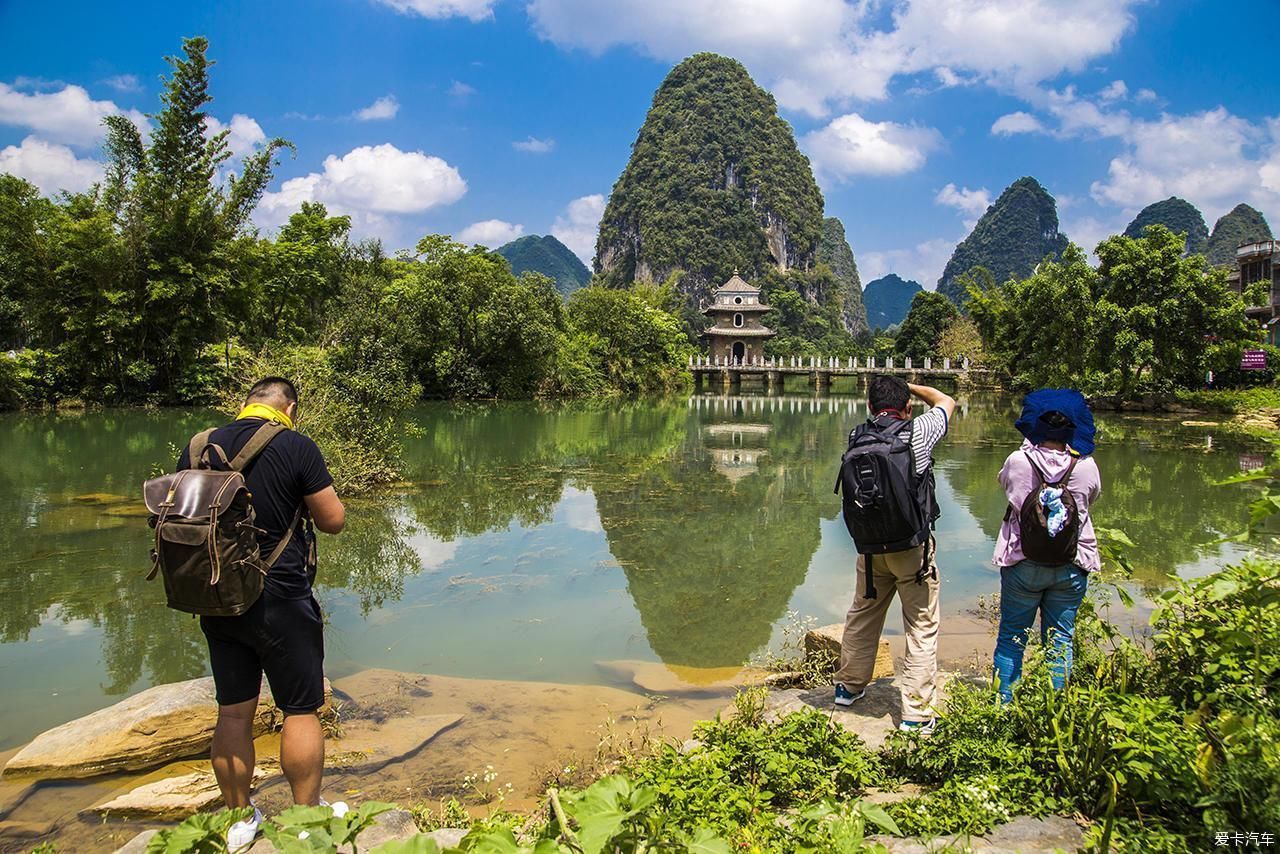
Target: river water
pixel 537 539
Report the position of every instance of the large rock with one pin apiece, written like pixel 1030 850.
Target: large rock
pixel 1023 835
pixel 171 799
pixel 138 844
pixel 822 646
pixel 448 837
pixel 150 728
pixel 654 677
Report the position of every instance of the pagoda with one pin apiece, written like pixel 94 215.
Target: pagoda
pixel 736 335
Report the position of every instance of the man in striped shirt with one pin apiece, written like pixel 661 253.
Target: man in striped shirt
pixel 911 573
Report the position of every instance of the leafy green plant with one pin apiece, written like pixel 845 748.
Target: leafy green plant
pixel 202 833
pixel 302 829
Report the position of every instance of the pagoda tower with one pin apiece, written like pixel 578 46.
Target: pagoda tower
pixel 736 335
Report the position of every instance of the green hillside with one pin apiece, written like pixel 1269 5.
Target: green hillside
pixel 1012 237
pixel 834 251
pixel 1242 225
pixel 548 256
pixel 1179 216
pixel 888 299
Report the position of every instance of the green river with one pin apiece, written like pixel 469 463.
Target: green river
pixel 536 539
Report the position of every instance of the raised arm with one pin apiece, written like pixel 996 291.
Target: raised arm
pixel 327 511
pixel 932 397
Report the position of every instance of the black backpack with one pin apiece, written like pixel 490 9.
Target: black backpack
pixel 887 506
pixel 1033 521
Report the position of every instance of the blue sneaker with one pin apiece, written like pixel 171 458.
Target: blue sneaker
pixel 845 697
pixel 924 729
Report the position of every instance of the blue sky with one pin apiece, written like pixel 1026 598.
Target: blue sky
pixel 490 118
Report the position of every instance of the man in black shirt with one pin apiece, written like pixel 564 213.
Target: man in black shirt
pixel 282 633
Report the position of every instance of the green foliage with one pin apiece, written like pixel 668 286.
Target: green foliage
pixel 931 313
pixel 1016 233
pixel 546 255
pixel 1242 224
pixel 712 167
pixel 202 833
pixel 888 299
pixel 300 830
pixel 1177 215
pixel 1148 319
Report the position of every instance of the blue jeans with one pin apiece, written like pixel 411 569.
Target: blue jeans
pixel 1055 592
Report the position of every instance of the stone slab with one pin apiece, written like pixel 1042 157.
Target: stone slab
pixel 1023 835
pixel 149 729
pixel 823 645
pixel 170 799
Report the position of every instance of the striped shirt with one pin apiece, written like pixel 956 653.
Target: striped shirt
pixel 927 431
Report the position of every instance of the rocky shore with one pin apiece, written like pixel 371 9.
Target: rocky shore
pixel 410 738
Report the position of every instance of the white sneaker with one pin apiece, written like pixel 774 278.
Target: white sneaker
pixel 339 808
pixel 241 834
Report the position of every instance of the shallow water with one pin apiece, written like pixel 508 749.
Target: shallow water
pixel 538 539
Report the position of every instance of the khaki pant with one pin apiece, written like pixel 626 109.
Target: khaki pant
pixel 895 572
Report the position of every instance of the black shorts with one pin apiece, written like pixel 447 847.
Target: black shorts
pixel 283 638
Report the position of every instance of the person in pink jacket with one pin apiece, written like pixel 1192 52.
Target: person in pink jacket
pixel 1047 546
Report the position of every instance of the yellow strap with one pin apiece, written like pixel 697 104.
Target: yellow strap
pixel 266 413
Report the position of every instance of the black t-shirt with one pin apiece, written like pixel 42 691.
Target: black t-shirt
pixel 286 471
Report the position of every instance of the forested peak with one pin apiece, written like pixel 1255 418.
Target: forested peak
pixel 715 182
pixel 1179 216
pixel 1243 224
pixel 835 252
pixel 546 255
pixel 888 299
pixel 1014 235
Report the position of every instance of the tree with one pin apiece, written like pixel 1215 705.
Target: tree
pixel 960 340
pixel 929 315
pixel 1164 317
pixel 27 242
pixel 1040 329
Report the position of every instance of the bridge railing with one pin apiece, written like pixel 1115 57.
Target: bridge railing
pixel 830 363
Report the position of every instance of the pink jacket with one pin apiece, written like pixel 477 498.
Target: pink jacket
pixel 1017 479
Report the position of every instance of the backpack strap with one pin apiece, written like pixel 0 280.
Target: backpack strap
pixel 256 444
pixel 870 591
pixel 195 448
pixel 284 540
pixel 1043 479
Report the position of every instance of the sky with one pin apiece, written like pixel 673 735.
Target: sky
pixel 488 119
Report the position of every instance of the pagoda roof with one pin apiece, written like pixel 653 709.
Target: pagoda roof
pixel 737 285
pixel 730 308
pixel 736 332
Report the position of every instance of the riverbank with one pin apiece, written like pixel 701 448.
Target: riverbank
pixel 446 747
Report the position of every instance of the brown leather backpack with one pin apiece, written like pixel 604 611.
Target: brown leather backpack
pixel 206 543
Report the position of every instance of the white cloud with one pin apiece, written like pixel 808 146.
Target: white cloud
pixel 1088 231
pixel 490 232
pixel 68 115
pixel 578 225
pixel 461 90
pixel 369 183
pixel 971 203
pixel 815 53
pixel 534 145
pixel 850 145
pixel 50 167
pixel 385 107
pixel 1213 159
pixel 1019 122
pixel 1146 95
pixel 476 10
pixel 923 262
pixel 244 133
pixel 124 83
pixel 1114 92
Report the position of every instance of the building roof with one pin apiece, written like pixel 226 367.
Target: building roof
pixel 735 332
pixel 736 285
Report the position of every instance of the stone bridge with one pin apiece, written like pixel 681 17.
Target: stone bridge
pixel 821 370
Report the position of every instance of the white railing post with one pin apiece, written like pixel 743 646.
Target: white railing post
pixel 946 364
pixel 966 363
pixel 928 362
pixel 888 363
pixel 871 361
pixel 907 363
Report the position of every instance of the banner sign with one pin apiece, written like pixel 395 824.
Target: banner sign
pixel 1253 360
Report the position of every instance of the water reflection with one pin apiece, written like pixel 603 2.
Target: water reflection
pixel 533 539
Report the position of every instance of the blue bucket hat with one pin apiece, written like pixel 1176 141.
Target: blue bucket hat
pixel 1078 433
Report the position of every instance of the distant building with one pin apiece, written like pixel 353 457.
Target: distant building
pixel 1260 261
pixel 736 334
